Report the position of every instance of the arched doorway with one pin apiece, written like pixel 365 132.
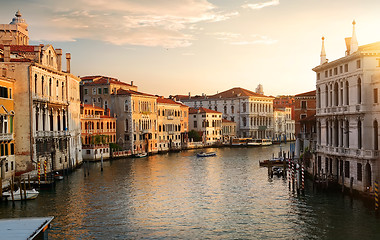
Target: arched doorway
pixel 368 176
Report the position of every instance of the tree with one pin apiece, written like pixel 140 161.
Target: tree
pixel 195 136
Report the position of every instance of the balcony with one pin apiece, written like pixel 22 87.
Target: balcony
pixel 52 134
pixel 348 152
pixel 170 117
pixel 6 136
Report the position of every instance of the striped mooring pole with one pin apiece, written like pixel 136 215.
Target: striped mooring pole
pixel 376 195
pixel 45 169
pixel 290 173
pixel 293 175
pixel 39 172
pixel 303 178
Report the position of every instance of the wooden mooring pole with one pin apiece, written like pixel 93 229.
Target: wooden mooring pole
pixel 12 188
pixel 376 195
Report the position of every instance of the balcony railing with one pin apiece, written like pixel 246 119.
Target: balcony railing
pixel 6 136
pixel 52 133
pixel 348 152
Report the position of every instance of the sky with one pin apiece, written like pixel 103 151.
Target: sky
pixel 171 47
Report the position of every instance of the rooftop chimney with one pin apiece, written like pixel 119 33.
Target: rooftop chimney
pixel 68 58
pixel 7 53
pixel 59 59
pixel 131 83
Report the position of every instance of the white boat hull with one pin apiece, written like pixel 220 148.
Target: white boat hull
pixel 30 194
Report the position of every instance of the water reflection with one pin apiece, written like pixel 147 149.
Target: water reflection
pixel 181 196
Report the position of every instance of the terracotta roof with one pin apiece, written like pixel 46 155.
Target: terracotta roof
pixel 20 48
pixel 100 80
pixel 202 110
pixel 227 121
pixel 237 92
pixel 231 93
pixel 306 94
pixel 130 92
pixel 92 106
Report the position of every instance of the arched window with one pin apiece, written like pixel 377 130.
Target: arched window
pixel 244 121
pixel 59 121
pixel 359 134
pixel 244 107
pixel 232 109
pixel 347 132
pixel 64 120
pixel 126 125
pixel 42 86
pixel 126 105
pixel 63 90
pixel 50 87
pixel 326 96
pixel 35 83
pixel 105 104
pixel 225 109
pixel 359 91
pixel 347 93
pixel 375 135
pixel 336 94
pixel 319 97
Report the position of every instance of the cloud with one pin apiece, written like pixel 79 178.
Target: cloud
pixel 261 4
pixel 238 39
pixel 165 23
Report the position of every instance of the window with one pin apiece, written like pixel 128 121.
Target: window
pixel 347 169
pixel 318 76
pixel 126 105
pixel 359 173
pixel 12 149
pixel 50 87
pixel 375 96
pixel 105 90
pixel 326 74
pixel 303 116
pixel 195 124
pixel 345 67
pixel 35 83
pixel 341 69
pixel 335 71
pixel 99 91
pixel 85 91
pixel 303 105
pixel 93 91
pixel 105 104
pixel 330 72
pixel 358 64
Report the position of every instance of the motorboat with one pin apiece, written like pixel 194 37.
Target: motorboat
pixel 58 176
pixel 141 155
pixel 203 154
pixel 30 194
pixel 277 170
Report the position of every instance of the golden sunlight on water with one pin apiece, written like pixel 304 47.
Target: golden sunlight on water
pixel 180 196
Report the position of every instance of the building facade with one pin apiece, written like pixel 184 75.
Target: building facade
pixel 172 126
pixel 48 127
pixel 284 126
pixel 98 89
pixel 98 131
pixel 7 114
pixel 208 123
pixel 228 130
pixel 348 115
pixel 136 124
pixel 252 112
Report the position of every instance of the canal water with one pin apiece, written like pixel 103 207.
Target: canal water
pixel 180 196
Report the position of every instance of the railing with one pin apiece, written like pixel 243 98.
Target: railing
pixel 52 133
pixel 170 117
pixel 6 136
pixel 348 152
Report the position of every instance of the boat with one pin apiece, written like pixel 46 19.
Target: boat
pixel 58 176
pixel 236 142
pixel 254 142
pixel 203 154
pixel 266 142
pixel 277 170
pixel 30 194
pixel 141 155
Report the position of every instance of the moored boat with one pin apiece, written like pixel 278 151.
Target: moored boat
pixel 141 155
pixel 30 194
pixel 203 154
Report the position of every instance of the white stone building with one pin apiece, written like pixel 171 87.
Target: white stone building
pixel 252 112
pixel 284 126
pixel 348 115
pixel 208 123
